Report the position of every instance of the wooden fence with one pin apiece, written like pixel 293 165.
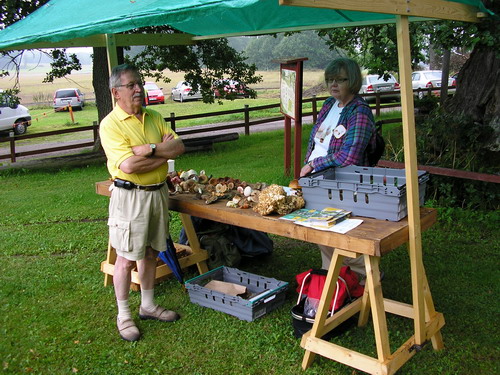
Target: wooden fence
pixel 11 139
pixel 246 124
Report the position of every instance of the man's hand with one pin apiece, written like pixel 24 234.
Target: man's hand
pixel 170 147
pixel 142 150
pixel 167 137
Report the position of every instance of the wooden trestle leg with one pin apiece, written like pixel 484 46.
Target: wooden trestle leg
pixel 194 243
pixel 385 363
pixel 326 296
pixel 196 256
pixel 110 259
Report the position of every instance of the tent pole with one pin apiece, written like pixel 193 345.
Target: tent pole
pixel 112 52
pixel 412 188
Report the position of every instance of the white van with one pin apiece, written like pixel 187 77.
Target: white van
pixel 13 116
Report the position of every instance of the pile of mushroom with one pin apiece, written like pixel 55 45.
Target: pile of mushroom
pixel 240 194
pixel 274 199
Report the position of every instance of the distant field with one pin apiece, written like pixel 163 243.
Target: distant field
pixel 33 91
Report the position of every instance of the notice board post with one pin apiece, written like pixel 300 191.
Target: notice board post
pixel 291 82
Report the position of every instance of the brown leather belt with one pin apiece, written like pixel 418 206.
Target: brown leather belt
pixel 128 185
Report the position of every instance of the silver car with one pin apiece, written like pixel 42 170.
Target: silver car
pixel 65 97
pixel 373 84
pixel 429 79
pixel 183 91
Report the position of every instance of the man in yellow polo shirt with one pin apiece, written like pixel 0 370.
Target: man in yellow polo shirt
pixel 137 143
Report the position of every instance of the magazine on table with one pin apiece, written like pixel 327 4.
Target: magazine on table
pixel 329 218
pixel 299 215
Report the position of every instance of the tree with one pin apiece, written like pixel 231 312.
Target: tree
pixel 12 11
pixel 262 50
pixel 204 63
pixel 477 94
pixel 62 64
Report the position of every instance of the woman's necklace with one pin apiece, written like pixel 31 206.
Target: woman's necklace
pixel 323 136
pixel 324 132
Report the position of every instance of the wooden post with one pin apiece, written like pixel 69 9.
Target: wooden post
pixel 297 144
pixel 247 120
pixel 377 104
pixel 314 108
pixel 12 147
pixel 412 188
pixel 70 109
pixel 112 52
pixel 288 146
pixel 172 121
pixel 95 130
pixel 291 72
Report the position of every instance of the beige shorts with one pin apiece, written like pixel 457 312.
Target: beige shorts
pixel 137 219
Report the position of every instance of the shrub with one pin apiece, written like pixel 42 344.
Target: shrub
pixel 42 98
pixel 457 142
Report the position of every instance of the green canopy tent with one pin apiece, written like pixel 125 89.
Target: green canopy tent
pixel 75 23
pixel 80 22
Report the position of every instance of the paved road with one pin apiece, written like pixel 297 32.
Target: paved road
pixel 5 147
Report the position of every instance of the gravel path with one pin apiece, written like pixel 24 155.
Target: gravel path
pixel 23 161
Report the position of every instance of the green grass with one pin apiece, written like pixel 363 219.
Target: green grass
pixel 56 317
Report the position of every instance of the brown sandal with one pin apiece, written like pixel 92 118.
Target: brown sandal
pixel 159 313
pixel 128 330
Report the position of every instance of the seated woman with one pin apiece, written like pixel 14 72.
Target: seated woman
pixel 344 129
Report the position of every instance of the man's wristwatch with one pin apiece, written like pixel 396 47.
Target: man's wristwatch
pixel 310 164
pixel 153 149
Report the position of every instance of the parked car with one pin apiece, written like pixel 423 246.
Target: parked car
pixel 426 79
pixel 373 84
pixel 13 116
pixel 71 96
pixel 454 78
pixel 230 87
pixel 183 91
pixel 153 94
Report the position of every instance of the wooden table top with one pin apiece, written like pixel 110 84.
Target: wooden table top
pixel 372 237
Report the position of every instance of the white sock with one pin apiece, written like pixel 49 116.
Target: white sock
pixel 123 310
pixel 147 299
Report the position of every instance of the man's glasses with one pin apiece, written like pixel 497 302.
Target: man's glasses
pixel 337 81
pixel 131 85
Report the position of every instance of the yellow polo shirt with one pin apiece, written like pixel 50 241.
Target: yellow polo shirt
pixel 120 131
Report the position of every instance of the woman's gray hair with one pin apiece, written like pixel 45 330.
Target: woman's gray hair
pixel 351 68
pixel 116 74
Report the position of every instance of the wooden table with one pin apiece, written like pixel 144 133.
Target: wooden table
pixel 372 239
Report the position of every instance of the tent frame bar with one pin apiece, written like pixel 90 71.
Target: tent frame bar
pixel 436 9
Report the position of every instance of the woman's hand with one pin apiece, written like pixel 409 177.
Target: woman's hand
pixel 306 169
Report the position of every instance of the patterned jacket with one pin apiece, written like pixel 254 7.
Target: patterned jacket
pixel 349 149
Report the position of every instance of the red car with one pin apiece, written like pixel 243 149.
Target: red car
pixel 153 94
pixel 230 87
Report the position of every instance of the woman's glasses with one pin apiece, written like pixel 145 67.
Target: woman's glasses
pixel 337 81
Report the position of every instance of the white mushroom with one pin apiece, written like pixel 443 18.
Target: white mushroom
pixel 247 191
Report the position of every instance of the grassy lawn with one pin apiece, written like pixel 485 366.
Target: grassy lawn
pixel 58 318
